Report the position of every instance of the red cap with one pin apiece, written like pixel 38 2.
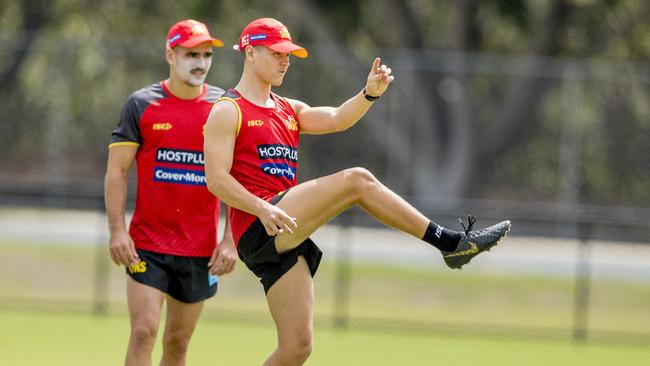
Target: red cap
pixel 189 33
pixel 270 33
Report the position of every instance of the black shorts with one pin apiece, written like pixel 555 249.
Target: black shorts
pixel 186 279
pixel 257 250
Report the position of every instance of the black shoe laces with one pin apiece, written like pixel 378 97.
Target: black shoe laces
pixel 470 220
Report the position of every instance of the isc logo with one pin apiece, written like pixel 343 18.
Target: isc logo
pixel 254 123
pixel 162 126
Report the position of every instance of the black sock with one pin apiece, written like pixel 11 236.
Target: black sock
pixel 441 238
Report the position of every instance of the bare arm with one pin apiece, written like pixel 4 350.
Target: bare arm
pixel 224 257
pixel 220 136
pixel 122 248
pixel 227 231
pixel 321 120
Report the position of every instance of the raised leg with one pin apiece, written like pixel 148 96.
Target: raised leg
pixel 315 202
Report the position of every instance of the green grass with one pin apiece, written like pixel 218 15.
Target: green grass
pixel 389 297
pixel 49 338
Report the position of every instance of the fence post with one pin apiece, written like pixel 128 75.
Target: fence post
pixel 342 275
pixel 100 283
pixel 570 157
pixel 583 286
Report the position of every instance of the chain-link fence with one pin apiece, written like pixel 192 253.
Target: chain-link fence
pixel 558 146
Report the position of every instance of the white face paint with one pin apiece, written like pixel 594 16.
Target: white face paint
pixel 191 65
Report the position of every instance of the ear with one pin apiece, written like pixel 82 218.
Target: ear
pixel 169 55
pixel 249 51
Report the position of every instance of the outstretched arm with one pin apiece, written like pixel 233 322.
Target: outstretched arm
pixel 220 136
pixel 321 120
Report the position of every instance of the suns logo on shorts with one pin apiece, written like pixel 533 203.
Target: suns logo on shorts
pixel 138 268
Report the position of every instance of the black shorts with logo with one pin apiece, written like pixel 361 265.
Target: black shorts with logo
pixel 257 250
pixel 186 279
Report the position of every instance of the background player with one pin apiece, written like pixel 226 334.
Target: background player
pixel 170 251
pixel 251 151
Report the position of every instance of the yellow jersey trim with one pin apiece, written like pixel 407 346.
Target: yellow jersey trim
pixel 238 112
pixel 124 143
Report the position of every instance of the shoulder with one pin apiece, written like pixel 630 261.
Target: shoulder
pixel 295 104
pixel 149 93
pixel 224 116
pixel 229 103
pixel 226 108
pixel 145 96
pixel 213 94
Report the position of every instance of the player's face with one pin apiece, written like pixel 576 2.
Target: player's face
pixel 270 65
pixel 191 65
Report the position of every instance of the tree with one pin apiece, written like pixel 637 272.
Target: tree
pixel 455 146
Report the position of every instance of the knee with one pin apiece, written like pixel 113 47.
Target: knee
pixel 144 336
pixel 359 179
pixel 303 350
pixel 297 352
pixel 177 342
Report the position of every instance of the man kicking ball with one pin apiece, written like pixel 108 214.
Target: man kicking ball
pixel 251 163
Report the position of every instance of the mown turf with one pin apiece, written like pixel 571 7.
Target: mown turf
pixel 76 277
pixel 50 338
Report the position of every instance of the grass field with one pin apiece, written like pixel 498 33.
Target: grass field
pixel 68 278
pixel 397 315
pixel 47 338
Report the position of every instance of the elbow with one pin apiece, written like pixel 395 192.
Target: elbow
pixel 213 186
pixel 115 174
pixel 214 183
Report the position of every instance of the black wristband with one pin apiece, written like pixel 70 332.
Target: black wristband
pixel 369 98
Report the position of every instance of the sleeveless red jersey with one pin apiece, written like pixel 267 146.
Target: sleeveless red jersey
pixel 265 158
pixel 174 211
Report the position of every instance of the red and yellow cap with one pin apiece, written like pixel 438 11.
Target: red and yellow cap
pixel 189 33
pixel 270 33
